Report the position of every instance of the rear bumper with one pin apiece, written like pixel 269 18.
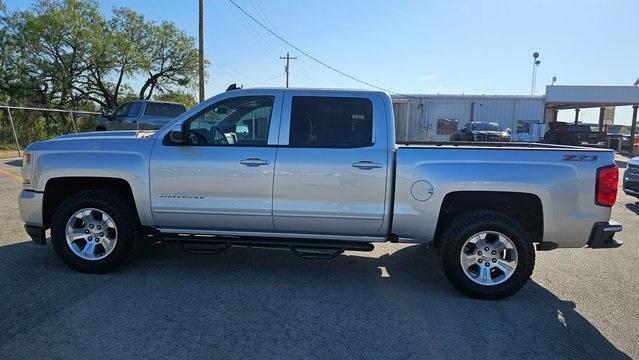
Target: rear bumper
pixel 602 234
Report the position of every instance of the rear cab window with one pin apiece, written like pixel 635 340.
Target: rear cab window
pixel 164 109
pixel 331 122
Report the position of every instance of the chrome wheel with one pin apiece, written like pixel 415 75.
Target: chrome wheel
pixel 488 258
pixel 91 234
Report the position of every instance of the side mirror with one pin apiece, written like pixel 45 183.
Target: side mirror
pixel 106 113
pixel 177 134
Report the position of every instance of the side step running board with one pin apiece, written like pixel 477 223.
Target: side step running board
pixel 308 249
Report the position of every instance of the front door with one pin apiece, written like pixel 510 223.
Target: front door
pixel 331 172
pixel 125 117
pixel 222 177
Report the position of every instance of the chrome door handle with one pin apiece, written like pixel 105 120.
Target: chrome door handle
pixel 367 165
pixel 253 162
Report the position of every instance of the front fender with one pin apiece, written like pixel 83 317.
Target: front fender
pixel 128 166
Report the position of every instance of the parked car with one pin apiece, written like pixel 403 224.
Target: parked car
pixel 631 178
pixel 562 133
pixel 482 131
pixel 139 115
pixel 317 172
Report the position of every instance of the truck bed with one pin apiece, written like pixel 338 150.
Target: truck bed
pixel 562 178
pixel 494 145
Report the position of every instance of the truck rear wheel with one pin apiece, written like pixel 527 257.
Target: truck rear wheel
pixel 94 231
pixel 487 254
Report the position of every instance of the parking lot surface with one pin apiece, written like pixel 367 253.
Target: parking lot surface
pixel 393 302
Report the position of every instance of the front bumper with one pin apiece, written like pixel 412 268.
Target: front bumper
pixel 602 234
pixel 30 204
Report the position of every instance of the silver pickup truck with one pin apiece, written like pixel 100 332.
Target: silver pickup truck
pixel 317 172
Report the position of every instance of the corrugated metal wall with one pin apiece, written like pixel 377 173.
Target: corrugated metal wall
pixel 416 118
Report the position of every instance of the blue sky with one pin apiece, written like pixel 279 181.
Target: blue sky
pixel 412 46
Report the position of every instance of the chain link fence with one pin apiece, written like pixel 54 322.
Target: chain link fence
pixel 20 126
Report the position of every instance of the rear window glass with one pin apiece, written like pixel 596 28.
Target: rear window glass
pixel 330 122
pixel 160 109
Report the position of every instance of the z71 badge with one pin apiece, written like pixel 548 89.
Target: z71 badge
pixel 580 157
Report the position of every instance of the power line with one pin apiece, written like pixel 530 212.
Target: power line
pixel 307 54
pixel 265 80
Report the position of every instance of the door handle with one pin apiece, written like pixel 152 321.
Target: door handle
pixel 253 162
pixel 367 165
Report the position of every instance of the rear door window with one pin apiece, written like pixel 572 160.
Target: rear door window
pixel 331 122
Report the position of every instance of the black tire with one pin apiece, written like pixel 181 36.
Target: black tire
pixel 470 223
pixel 118 207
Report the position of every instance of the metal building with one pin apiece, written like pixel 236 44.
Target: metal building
pixel 436 117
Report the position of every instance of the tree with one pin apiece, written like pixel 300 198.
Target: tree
pixel 170 59
pixel 179 97
pixel 65 53
pixel 52 43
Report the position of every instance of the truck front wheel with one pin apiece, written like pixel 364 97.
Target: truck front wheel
pixel 94 231
pixel 487 254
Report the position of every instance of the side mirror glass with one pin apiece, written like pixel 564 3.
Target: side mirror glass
pixel 177 135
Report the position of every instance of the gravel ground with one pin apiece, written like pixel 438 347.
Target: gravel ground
pixel 249 303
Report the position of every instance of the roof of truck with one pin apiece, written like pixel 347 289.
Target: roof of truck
pixel 312 90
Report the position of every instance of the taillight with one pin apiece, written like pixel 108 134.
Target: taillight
pixel 606 187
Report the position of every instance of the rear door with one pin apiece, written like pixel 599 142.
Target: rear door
pixel 332 162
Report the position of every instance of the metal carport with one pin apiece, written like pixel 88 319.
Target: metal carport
pixel 560 97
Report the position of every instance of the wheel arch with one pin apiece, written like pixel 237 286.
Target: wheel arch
pixel 58 189
pixel 525 208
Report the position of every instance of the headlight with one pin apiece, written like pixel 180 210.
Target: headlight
pixel 504 134
pixel 27 171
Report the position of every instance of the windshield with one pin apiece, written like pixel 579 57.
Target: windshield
pixel 485 127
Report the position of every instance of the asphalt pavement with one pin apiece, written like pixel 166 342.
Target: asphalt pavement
pixel 392 303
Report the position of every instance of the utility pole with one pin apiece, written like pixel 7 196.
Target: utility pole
pixel 287 58
pixel 201 43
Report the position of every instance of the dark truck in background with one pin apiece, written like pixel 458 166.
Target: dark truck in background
pixel 139 115
pixel 481 131
pixel 562 133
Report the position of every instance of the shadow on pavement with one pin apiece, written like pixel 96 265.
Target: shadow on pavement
pixel 634 207
pixel 255 303
pixel 16 162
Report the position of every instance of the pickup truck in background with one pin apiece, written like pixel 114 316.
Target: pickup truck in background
pixel 139 115
pixel 631 178
pixel 317 172
pixel 573 134
pixel 482 132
